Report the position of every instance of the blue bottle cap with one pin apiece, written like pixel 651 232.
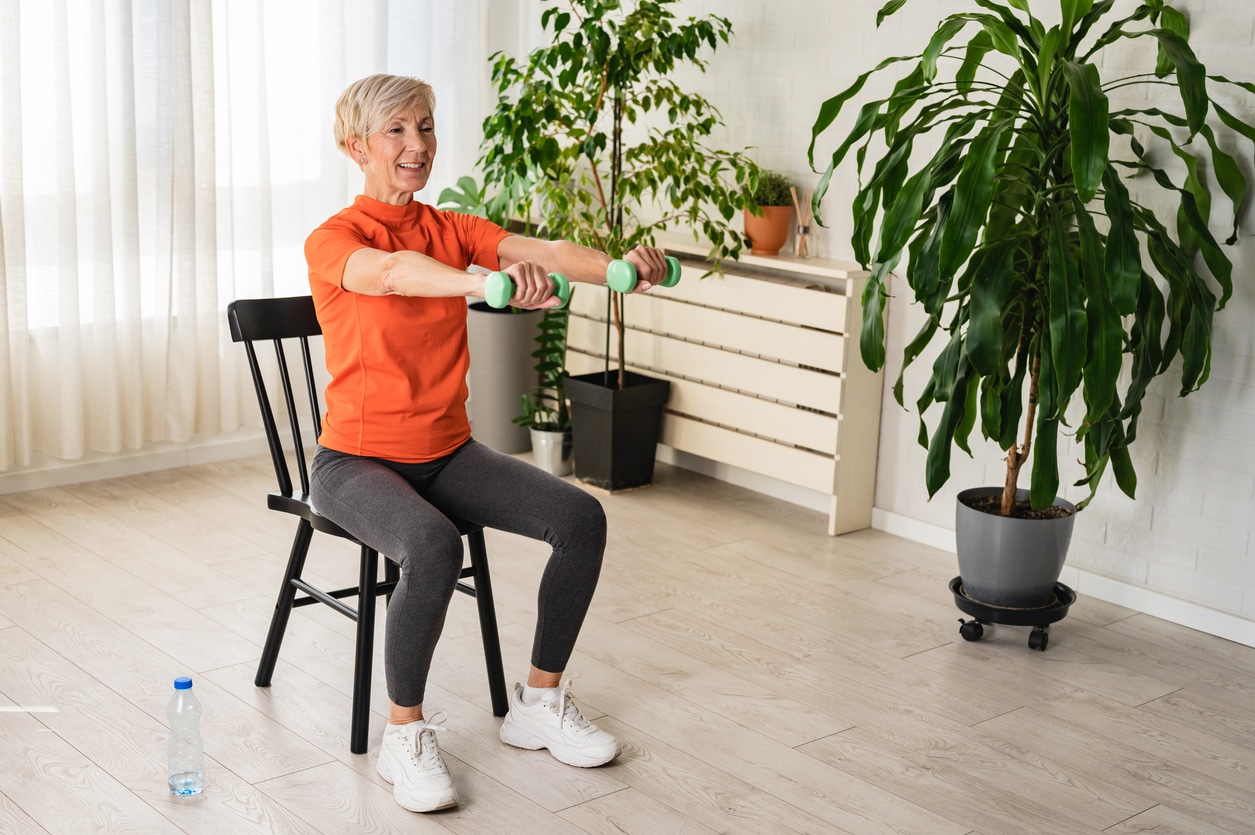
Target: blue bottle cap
pixel 183 683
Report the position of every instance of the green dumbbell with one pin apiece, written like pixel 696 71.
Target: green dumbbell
pixel 499 289
pixel 621 275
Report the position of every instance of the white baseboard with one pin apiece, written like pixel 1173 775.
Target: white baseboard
pixel 1147 601
pixel 93 467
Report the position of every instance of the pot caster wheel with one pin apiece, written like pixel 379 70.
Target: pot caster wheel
pixel 1038 639
pixel 971 630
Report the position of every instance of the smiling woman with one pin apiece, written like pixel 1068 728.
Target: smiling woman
pixel 396 464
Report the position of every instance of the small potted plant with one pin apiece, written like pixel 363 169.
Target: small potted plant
pixel 589 130
pixel 1055 291
pixel 767 219
pixel 544 412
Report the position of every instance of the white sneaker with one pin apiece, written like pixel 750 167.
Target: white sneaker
pixel 557 724
pixel 410 760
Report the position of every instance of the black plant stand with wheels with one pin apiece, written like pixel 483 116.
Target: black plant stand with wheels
pixel 1039 618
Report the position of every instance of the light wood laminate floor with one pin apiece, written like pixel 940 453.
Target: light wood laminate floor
pixel 764 678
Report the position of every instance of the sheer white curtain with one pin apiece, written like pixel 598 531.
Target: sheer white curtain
pixel 159 158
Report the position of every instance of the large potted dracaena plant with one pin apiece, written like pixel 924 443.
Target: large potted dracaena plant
pixel 1055 289
pixel 593 136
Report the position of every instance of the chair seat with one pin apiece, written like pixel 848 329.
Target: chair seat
pixel 299 504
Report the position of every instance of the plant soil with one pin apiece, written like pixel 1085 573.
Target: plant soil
pixel 1023 510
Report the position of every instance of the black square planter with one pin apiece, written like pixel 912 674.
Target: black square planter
pixel 616 430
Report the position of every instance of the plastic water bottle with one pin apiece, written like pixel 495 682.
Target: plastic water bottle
pixel 186 755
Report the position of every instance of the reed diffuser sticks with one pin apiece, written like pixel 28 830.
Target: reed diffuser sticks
pixel 802 244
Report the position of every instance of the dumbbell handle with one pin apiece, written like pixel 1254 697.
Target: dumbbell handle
pixel 621 275
pixel 499 289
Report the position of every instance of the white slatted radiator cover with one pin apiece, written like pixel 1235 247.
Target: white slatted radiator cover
pixel 764 369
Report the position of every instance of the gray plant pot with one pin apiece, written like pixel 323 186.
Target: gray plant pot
pixel 551 451
pixel 502 371
pixel 1010 563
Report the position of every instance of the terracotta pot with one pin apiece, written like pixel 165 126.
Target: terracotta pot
pixel 767 233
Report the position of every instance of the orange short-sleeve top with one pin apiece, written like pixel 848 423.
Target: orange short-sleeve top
pixel 398 364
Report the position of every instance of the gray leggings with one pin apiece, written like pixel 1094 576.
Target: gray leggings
pixel 401 510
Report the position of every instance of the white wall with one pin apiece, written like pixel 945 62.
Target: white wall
pixel 1184 548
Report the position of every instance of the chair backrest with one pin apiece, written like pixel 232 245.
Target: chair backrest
pixel 275 320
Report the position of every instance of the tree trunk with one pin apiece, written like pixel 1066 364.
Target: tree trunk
pixel 1017 456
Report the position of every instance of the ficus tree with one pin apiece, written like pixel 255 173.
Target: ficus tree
pixel 1043 271
pixel 592 135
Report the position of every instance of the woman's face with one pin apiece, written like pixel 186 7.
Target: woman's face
pixel 399 156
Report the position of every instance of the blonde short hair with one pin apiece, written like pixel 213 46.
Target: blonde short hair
pixel 367 103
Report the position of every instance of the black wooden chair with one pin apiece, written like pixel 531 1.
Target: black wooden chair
pixel 276 320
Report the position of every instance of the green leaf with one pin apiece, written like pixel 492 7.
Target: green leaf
pixel 1123 257
pixel 945 32
pixel 912 352
pixel 1012 406
pixel 1122 466
pixel 901 216
pixel 991 281
pixel 1045 483
pixel 1087 127
pixel 1105 329
pixel 1173 21
pixel 888 9
pixel 991 390
pixel 1191 77
pixel 971 201
pixel 1046 59
pixel 968 420
pixel 871 337
pixel 1067 314
pixel 937 462
pixel 1073 10
pixel 949 365
pixel 1229 176
pixel 977 48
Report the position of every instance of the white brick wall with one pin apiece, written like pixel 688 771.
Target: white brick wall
pixel 1190 534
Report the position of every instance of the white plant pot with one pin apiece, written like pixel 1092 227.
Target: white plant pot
pixel 551 451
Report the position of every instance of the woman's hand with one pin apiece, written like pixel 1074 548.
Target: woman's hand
pixel 533 289
pixel 651 266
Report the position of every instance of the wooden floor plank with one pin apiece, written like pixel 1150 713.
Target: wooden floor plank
pixel 13 821
pixel 1090 757
pixel 631 812
pixel 948 789
pixel 1164 820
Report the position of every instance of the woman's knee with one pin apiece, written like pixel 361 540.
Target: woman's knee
pixel 583 521
pixel 435 546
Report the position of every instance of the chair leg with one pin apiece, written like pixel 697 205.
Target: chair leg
pixel 488 623
pixel 283 606
pixel 391 574
pixel 362 666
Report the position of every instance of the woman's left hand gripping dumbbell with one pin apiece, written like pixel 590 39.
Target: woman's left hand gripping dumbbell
pixel 651 267
pixel 526 285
